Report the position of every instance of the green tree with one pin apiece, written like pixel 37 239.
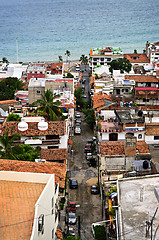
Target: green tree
pixel 100 233
pixel 48 107
pixel 122 64
pixel 69 75
pixel 67 53
pixel 89 117
pixel 6 150
pixel 26 152
pixel 72 238
pixel 13 117
pixel 60 59
pixel 4 60
pixel 79 100
pixel 9 86
pixel 84 60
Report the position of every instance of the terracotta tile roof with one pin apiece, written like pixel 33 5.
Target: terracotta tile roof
pixel 147 94
pixel 59 234
pixel 118 147
pixel 59 169
pixel 8 101
pixel 156 43
pixel 141 78
pixel 139 58
pixel 54 128
pixel 17 204
pixel 69 105
pixel 54 154
pixel 98 100
pixel 152 129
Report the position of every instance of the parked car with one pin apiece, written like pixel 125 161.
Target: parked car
pixel 71 232
pixel 77 115
pixel 88 156
pixel 94 189
pixel 71 218
pixel 90 141
pixel 72 207
pixel 84 96
pixel 78 124
pixel 87 148
pixel 77 130
pixel 83 80
pixel 83 87
pixel 73 184
pixel 77 120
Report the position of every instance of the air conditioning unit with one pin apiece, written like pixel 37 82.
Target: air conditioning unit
pixel 41 223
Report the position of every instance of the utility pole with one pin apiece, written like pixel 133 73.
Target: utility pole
pixel 17 48
pixel 149 224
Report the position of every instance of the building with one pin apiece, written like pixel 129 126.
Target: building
pixel 123 155
pixel 152 133
pixel 36 132
pixel 146 89
pixel 62 86
pixel 29 205
pixel 103 56
pixel 138 199
pixel 36 71
pixel 54 68
pixel 152 52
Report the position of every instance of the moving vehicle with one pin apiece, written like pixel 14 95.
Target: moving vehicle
pixel 73 184
pixel 94 189
pixel 71 232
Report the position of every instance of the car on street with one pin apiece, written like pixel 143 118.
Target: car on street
pixel 73 184
pixel 77 115
pixel 71 218
pixel 88 156
pixel 87 148
pixel 84 96
pixel 77 124
pixel 83 87
pixel 77 130
pixel 94 189
pixel 77 120
pixel 83 80
pixel 71 232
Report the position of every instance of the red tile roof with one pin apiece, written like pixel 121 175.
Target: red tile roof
pixel 54 154
pixel 17 204
pixel 118 147
pixel 152 129
pixel 141 78
pixel 137 58
pixel 8 101
pixel 54 128
pixel 98 100
pixel 59 169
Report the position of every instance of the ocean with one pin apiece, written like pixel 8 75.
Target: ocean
pixel 47 28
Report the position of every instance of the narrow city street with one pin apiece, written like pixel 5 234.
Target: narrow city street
pixel 89 206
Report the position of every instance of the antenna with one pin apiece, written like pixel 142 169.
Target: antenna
pixel 17 48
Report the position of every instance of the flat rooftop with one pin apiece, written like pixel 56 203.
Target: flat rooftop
pixel 137 204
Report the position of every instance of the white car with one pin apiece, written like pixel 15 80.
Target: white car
pixel 71 218
pixel 77 130
pixel 77 115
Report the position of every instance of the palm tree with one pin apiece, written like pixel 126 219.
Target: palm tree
pixel 67 53
pixel 6 145
pixel 84 60
pixel 48 107
pixel 4 60
pixel 60 59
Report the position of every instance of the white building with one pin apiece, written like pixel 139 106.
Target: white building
pixel 30 205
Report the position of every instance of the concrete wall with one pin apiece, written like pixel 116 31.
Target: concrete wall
pixel 46 206
pixel 150 140
pixel 33 95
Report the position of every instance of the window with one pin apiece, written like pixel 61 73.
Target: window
pixel 102 59
pixel 145 100
pixel 38 92
pixel 140 136
pixel 156 137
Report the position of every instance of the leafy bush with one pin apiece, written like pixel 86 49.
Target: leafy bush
pixel 100 233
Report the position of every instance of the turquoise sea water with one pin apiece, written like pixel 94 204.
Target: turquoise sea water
pixel 47 28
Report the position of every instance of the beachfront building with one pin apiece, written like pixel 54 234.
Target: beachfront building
pixel 152 52
pixel 30 205
pixel 36 71
pixel 103 56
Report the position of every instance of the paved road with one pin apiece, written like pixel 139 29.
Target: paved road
pixel 90 205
